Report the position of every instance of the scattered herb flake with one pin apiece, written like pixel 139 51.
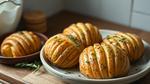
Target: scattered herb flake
pixel 68 72
pixel 94 54
pixel 74 40
pixel 103 66
pixel 87 62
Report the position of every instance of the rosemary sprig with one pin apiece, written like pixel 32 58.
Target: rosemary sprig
pixel 35 65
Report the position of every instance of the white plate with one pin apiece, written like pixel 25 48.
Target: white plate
pixel 138 70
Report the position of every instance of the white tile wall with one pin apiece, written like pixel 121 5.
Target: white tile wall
pixel 119 11
pixel 142 6
pixel 48 6
pixel 113 10
pixel 141 14
pixel 140 21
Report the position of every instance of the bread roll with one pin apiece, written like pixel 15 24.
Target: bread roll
pixel 20 44
pixel 103 61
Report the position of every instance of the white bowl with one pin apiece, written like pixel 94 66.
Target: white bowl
pixel 73 76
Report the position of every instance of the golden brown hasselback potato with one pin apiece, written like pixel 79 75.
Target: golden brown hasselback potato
pixel 20 44
pixel 86 33
pixel 131 43
pixel 63 51
pixel 103 61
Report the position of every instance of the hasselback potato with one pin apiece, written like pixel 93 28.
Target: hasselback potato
pixel 63 51
pixel 20 44
pixel 103 61
pixel 86 33
pixel 131 43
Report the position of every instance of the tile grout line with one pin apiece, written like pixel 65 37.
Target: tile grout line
pixel 131 11
pixel 139 12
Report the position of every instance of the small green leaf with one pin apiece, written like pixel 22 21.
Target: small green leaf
pixel 74 40
pixel 87 62
pixel 30 65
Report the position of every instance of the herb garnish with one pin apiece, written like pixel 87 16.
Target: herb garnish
pixel 87 62
pixel 103 66
pixel 120 39
pixel 94 54
pixel 74 40
pixel 68 72
pixel 55 37
pixel 30 65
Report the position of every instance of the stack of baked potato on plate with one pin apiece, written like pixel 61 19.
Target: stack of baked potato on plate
pixel 98 58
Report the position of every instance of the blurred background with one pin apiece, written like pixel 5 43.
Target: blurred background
pixel 132 13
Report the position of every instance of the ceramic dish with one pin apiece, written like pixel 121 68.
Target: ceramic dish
pixel 137 70
pixel 30 57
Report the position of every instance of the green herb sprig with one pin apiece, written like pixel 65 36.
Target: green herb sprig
pixel 35 65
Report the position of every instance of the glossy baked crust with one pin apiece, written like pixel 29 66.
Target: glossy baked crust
pixel 20 44
pixel 63 51
pixel 86 33
pixel 131 43
pixel 103 61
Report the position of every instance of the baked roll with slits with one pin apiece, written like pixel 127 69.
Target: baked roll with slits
pixel 63 51
pixel 86 33
pixel 131 43
pixel 20 44
pixel 103 61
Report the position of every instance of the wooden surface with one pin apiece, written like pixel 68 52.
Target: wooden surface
pixel 56 24
pixel 42 77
